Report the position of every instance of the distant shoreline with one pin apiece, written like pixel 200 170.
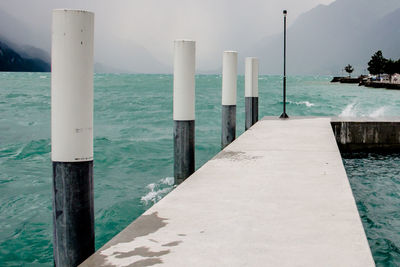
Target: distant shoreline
pixel 367 82
pixel 341 79
pixel 386 85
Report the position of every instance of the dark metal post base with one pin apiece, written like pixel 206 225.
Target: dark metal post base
pixel 183 150
pixel 228 131
pixel 73 212
pixel 284 116
pixel 251 107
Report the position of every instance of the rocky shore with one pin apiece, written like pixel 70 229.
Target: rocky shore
pixel 367 82
pixel 375 84
pixel 347 79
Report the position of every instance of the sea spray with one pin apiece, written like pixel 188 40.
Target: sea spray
pixel 157 191
pixel 378 113
pixel 353 110
pixel 348 111
pixel 308 104
pixel 300 103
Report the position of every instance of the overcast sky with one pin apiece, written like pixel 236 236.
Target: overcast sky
pixel 216 25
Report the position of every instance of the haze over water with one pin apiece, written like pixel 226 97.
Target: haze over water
pixel 133 161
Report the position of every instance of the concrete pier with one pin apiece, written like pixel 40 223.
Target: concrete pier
pixel 276 196
pixel 367 134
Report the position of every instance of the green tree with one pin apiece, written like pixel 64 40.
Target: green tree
pixel 377 63
pixel 397 66
pixel 390 68
pixel 349 69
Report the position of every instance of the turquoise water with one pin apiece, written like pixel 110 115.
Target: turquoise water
pixel 375 182
pixel 133 150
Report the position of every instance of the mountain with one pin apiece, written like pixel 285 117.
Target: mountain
pixel 15 57
pixel 326 38
pixel 10 60
pixel 14 31
pixel 130 58
pixel 385 35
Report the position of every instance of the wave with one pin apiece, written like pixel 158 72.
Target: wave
pixel 157 191
pixel 348 111
pixel 306 103
pixel 380 112
pixel 32 149
pixel 351 111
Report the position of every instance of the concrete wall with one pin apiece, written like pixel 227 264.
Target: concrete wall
pixel 367 135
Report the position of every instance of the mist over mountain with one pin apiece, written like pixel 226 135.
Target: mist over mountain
pixel 16 51
pixel 10 60
pixel 325 39
pixel 14 31
pixel 320 41
pixel 117 55
pixel 22 58
pixel 137 36
pixel 130 58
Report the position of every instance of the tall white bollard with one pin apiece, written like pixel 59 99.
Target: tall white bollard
pixel 251 91
pixel 184 109
pixel 229 87
pixel 72 136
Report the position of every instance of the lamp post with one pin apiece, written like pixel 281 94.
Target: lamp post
pixel 284 115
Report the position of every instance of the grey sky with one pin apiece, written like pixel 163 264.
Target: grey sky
pixel 216 25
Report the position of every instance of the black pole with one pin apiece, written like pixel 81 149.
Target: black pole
pixel 284 115
pixel 73 212
pixel 183 149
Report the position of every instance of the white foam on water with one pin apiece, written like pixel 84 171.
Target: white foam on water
pixel 348 111
pixel 380 112
pixel 157 191
pixel 167 181
pixel 43 77
pixel 306 103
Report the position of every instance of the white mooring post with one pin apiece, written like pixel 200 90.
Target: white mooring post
pixel 72 136
pixel 184 108
pixel 251 91
pixel 229 86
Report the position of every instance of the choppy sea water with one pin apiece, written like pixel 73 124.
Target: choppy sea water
pixel 133 152
pixel 375 182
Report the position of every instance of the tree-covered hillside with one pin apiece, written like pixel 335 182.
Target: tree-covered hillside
pixel 10 60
